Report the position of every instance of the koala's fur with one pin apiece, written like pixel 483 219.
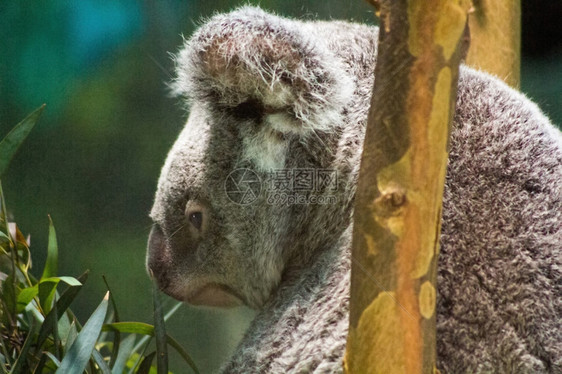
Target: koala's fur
pixel 267 92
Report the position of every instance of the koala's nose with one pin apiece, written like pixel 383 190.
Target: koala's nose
pixel 156 254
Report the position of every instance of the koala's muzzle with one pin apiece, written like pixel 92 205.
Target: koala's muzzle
pixel 160 266
pixel 155 259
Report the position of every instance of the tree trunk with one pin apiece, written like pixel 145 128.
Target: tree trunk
pixel 495 32
pixel 399 194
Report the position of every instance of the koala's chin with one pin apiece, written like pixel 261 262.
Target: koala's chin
pixel 215 295
pixel 209 294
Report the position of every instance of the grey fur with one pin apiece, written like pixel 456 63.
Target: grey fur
pixel 266 91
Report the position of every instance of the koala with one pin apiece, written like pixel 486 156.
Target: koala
pixel 276 102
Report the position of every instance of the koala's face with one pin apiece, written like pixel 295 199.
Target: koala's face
pixel 203 248
pixel 263 96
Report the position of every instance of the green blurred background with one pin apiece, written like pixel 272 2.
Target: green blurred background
pixel 93 161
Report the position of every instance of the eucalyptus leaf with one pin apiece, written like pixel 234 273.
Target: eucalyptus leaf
pixel 146 364
pixel 116 334
pixel 21 362
pixel 25 296
pixel 53 358
pixel 98 359
pixel 63 326
pixel 140 328
pixel 70 337
pixel 80 352
pixel 177 346
pixel 51 265
pixel 3 216
pixel 11 142
pixel 48 287
pixel 62 305
pixel 9 294
pixel 47 364
pixel 126 348
pixel 47 292
pixel 148 330
pixel 71 281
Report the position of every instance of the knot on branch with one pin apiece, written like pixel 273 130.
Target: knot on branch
pixel 389 202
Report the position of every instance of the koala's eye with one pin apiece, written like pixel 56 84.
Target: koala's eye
pixel 196 219
pixel 196 214
pixel 248 110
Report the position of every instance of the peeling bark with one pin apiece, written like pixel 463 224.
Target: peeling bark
pixel 400 189
pixel 495 31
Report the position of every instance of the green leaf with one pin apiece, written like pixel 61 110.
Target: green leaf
pixel 124 352
pixel 146 329
pixel 63 326
pixel 21 363
pixel 11 142
pixel 145 340
pixel 159 332
pixel 53 358
pixel 47 292
pixel 32 309
pixel 48 363
pixel 79 354
pixel 140 328
pixel 146 364
pixel 10 294
pixel 48 288
pixel 174 343
pixel 51 264
pixel 70 338
pixel 98 358
pixel 23 247
pixel 4 356
pixel 56 336
pixel 3 216
pixel 117 334
pixel 41 365
pixel 49 326
pixel 62 305
pixel 71 281
pixel 25 296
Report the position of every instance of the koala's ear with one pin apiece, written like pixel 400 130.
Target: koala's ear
pixel 249 56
